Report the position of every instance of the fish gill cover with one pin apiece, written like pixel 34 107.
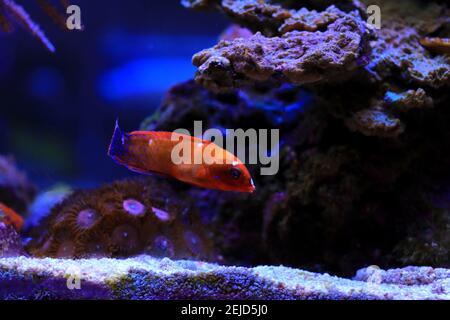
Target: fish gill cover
pixel 364 147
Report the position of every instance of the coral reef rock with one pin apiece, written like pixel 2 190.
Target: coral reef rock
pixel 439 278
pixel 297 57
pixel 237 216
pixel 364 139
pixel 10 242
pixel 145 277
pixel 272 18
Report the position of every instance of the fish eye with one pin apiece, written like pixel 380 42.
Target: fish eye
pixel 235 173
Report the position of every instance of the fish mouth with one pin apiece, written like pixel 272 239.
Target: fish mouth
pixel 250 189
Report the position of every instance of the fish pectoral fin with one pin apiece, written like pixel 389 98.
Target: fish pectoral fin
pixel 200 171
pixel 149 172
pixel 137 170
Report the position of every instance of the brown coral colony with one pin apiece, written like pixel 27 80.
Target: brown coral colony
pixel 120 219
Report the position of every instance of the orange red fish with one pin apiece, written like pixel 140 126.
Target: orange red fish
pixel 9 216
pixel 153 152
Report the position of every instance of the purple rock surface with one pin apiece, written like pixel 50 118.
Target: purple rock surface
pixel 145 277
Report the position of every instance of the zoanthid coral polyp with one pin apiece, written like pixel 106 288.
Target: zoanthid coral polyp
pixel 122 219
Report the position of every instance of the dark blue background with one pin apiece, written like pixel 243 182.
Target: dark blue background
pixel 57 111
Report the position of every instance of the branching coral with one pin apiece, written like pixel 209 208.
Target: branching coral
pixel 122 219
pixel 11 11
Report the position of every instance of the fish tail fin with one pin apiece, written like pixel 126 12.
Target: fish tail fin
pixel 119 142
